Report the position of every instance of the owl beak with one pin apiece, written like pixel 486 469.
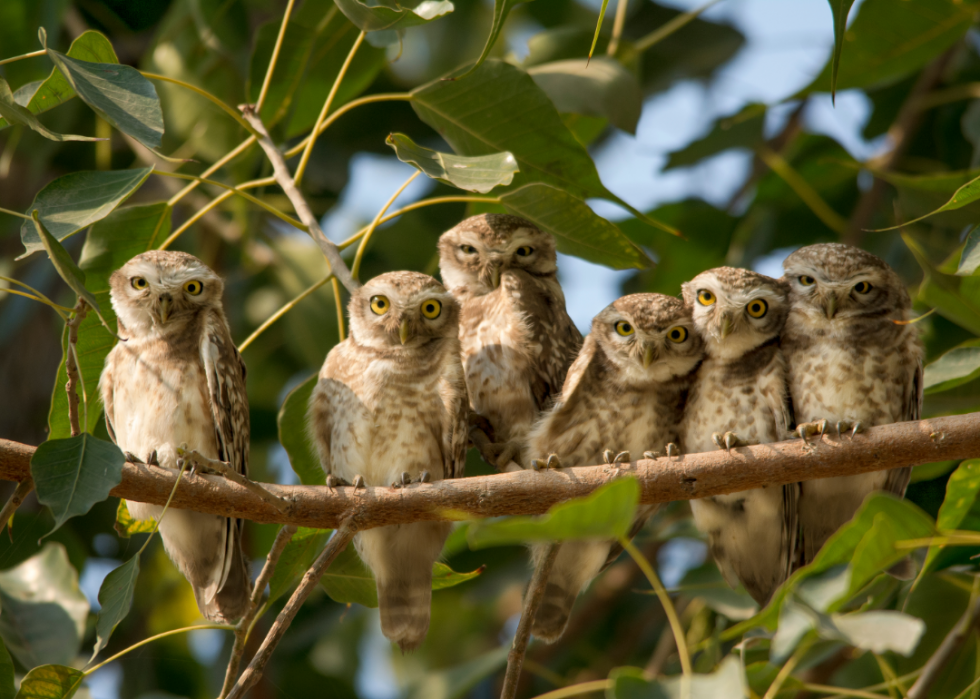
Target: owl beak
pixel 495 275
pixel 404 331
pixel 166 306
pixel 727 324
pixel 649 354
pixel 831 306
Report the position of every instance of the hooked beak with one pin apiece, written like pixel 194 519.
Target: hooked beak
pixel 403 331
pixel 649 354
pixel 166 306
pixel 726 324
pixel 831 306
pixel 495 275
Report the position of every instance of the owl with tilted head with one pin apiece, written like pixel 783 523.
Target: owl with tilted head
pixel 623 396
pixel 853 362
pixel 516 337
pixel 176 379
pixel 390 409
pixel 739 397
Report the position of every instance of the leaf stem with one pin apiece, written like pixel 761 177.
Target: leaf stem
pixel 275 57
pixel 32 54
pixel 387 97
pixel 339 303
pixel 254 184
pixel 577 690
pixel 670 27
pixel 230 111
pixel 411 207
pixel 15 213
pixel 841 691
pixel 617 31
pixel 235 152
pixel 804 191
pixel 172 632
pixel 787 669
pixel 23 489
pixel 39 296
pixel 356 267
pixel 283 311
pixel 156 527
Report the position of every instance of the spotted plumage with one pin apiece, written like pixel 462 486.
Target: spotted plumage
pixel 174 379
pixel 390 408
pixel 516 337
pixel 849 363
pixel 739 397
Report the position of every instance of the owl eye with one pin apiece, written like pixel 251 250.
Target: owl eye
pixel 807 280
pixel 139 283
pixel 193 287
pixel 677 334
pixel 431 309
pixel 525 250
pixel 468 249
pixel 705 297
pixel 757 308
pixel 624 328
pixel 380 305
pixel 862 287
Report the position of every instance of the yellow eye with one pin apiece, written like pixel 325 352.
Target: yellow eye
pixel 525 250
pixel 380 305
pixel 757 308
pixel 139 283
pixel 431 309
pixel 193 287
pixel 468 249
pixel 677 334
pixel 862 287
pixel 705 297
pixel 624 328
pixel 807 280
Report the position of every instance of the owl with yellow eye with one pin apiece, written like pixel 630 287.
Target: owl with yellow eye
pixel 740 397
pixel 390 409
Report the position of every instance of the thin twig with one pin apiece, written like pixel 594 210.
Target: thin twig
pixel 284 536
pixel 803 190
pixel 359 255
pixel 338 542
pixel 71 367
pixel 787 669
pixel 284 310
pixel 617 30
pixel 670 27
pixel 665 645
pixel 22 490
pixel 231 474
pixel 274 58
pixel 285 180
pixel 339 305
pixel 532 599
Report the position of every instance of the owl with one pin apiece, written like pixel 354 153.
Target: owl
pixel 739 397
pixel 175 379
pixel 625 392
pixel 390 408
pixel 516 337
pixel 850 365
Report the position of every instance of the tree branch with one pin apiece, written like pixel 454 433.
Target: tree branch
pixel 530 492
pixel 22 490
pixel 71 367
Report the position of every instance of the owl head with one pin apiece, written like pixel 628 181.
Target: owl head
pixel 402 311
pixel 477 252
pixel 832 282
pixel 160 291
pixel 736 310
pixel 649 338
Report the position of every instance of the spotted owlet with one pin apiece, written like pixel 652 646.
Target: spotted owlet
pixel 516 337
pixel 739 397
pixel 390 408
pixel 850 365
pixel 177 379
pixel 624 395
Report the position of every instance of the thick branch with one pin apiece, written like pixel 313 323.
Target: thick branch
pixel 285 180
pixel 530 492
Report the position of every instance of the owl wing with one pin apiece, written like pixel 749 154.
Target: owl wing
pixel 456 417
pixel 108 401
pixel 898 478
pixel 560 429
pixel 560 343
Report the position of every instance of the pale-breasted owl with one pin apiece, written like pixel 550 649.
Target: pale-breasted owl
pixel 175 379
pixel 850 364
pixel 516 337
pixel 390 408
pixel 625 392
pixel 739 397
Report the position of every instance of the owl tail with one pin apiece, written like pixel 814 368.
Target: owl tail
pixel 553 612
pixel 229 603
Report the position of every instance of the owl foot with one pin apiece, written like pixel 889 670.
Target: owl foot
pixel 424 477
pixel 846 425
pixel 551 462
pixel 153 459
pixel 334 481
pixel 608 455
pixel 807 429
pixel 499 454
pixel 725 441
pixel 359 482
pixel 672 449
pixel 132 458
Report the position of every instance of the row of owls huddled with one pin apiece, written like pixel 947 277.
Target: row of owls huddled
pixel 493 359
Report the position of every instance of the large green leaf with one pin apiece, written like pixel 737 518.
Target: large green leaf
pixel 958 366
pixel 741 130
pixel 64 265
pixel 51 682
pixel 55 90
pixel 726 681
pixel 391 15
pixel 946 292
pixel 294 437
pixel 840 9
pixel 959 510
pixel 577 229
pixel 965 195
pixel 970 259
pixel 7 689
pixel 72 202
pixel 44 611
pixel 71 475
pixel 14 113
pixel 296 559
pixel 116 598
pixel 605 514
pixel 109 245
pixel 477 174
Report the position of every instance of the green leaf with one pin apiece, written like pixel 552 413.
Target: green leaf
pixel 109 245
pixel 577 229
pixel 391 15
pixel 7 690
pixel 727 681
pixel 294 437
pixel 116 598
pixel 349 581
pixel 56 90
pixel 51 682
pixel 959 510
pixel 73 202
pixel 117 93
pixel 598 26
pixel 601 88
pixel 880 630
pixel 296 559
pixel 478 174
pixel 970 259
pixel 126 526
pixel 956 367
pixel 605 514
pixel 706 583
pixel 16 114
pixel 294 54
pixel 741 130
pixel 44 611
pixel 71 475
pixel 501 8
pixel 840 10
pixel 967 194
pixel 64 265
pixel 445 577
pixel 944 292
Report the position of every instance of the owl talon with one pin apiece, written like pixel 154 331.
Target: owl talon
pixel 133 459
pixel 622 457
pixel 153 459
pixel 334 481
pixel 725 441
pixel 537 464
pixel 608 456
pixel 553 461
pixel 359 482
pixel 672 449
pixel 424 477
pixel 807 429
pixel 406 478
pixel 651 454
pixel 717 439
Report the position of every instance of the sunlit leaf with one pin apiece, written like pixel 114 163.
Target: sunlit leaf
pixel 16 114
pixel 51 682
pixel 598 26
pixel 390 15
pixel 444 577
pixel 726 681
pixel 294 437
pixel 116 598
pixel 944 292
pixel 126 526
pixel 601 87
pixel 840 10
pixel 64 265
pixel 956 367
pixel 296 559
pixel 970 260
pixel 706 583
pixel 880 630
pixel 477 174
pixel 501 8
pixel 959 511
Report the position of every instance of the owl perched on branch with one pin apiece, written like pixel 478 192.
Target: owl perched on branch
pixel 853 363
pixel 516 337
pixel 624 395
pixel 176 378
pixel 739 397
pixel 390 409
